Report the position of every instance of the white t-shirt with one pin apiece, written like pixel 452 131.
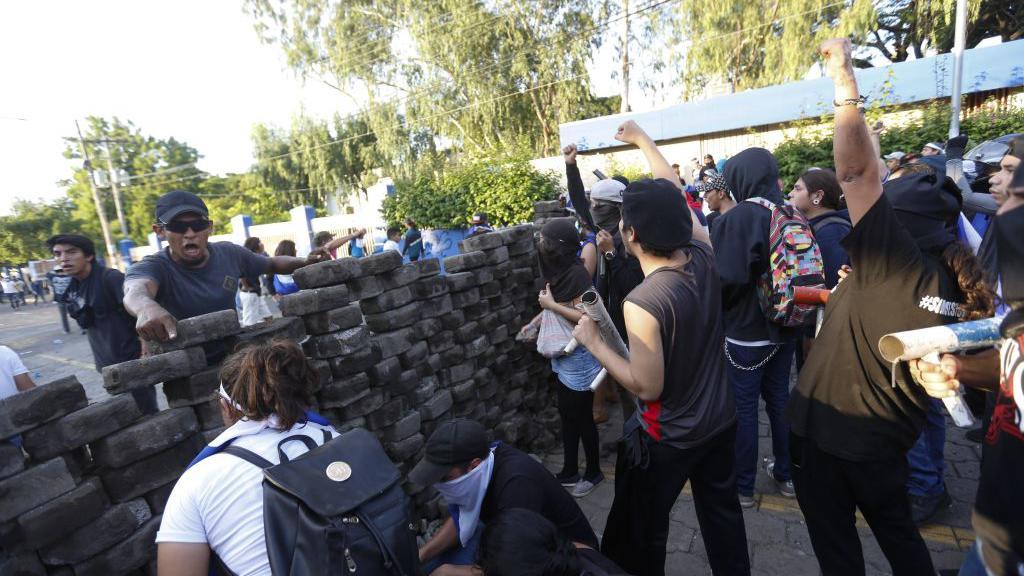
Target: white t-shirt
pixel 219 501
pixel 392 245
pixel 9 286
pixel 10 366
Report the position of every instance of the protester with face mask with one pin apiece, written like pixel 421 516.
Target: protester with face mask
pixel 478 481
pixel 854 415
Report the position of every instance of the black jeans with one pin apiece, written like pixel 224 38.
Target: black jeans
pixel 636 533
pixel 577 412
pixel 831 489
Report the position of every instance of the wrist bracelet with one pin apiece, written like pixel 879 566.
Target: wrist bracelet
pixel 859 102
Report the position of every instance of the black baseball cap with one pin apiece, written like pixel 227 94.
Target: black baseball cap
pixel 657 211
pixel 453 443
pixel 177 202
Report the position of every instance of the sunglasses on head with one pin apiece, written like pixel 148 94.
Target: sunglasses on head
pixel 180 226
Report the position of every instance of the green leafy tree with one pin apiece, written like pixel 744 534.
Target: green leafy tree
pixel 23 234
pixel 910 27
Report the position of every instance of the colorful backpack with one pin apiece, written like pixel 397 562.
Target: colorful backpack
pixel 793 260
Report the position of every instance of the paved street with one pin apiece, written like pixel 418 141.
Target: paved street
pixel 777 535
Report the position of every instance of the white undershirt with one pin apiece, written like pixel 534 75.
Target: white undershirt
pixel 10 366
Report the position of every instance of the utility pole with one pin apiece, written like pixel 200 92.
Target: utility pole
pixel 116 192
pixel 104 225
pixel 959 41
pixel 624 104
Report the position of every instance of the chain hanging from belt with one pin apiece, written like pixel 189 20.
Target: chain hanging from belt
pixel 758 366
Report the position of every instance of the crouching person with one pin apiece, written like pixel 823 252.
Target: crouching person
pixel 215 513
pixel 480 480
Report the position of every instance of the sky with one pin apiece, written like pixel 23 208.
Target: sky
pixel 191 69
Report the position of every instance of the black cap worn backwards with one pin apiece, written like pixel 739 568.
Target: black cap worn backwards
pixel 455 442
pixel 658 213
pixel 177 202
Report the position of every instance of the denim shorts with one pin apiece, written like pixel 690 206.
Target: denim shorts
pixel 577 370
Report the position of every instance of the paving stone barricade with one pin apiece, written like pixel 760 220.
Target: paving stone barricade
pixel 399 348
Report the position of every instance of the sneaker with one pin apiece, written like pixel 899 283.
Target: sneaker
pixel 785 487
pixel 747 501
pixel 923 508
pixel 586 486
pixel 567 480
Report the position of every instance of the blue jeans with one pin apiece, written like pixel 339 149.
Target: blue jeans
pixel 770 381
pixel 926 459
pixel 458 556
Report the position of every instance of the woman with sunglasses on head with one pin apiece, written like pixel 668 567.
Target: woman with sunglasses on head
pixel 214 514
pixel 192 276
pixel 567 279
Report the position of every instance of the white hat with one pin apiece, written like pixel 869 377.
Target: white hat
pixel 894 155
pixel 607 190
pixel 936 146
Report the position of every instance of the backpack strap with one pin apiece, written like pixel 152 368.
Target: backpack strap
pixel 761 202
pixel 830 220
pixel 249 456
pixel 309 442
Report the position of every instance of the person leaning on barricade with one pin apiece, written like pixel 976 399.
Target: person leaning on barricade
pixel 854 415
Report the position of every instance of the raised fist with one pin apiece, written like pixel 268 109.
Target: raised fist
pixel 837 54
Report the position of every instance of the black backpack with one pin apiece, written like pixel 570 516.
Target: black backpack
pixel 337 509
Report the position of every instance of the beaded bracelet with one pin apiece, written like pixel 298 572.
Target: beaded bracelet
pixel 859 102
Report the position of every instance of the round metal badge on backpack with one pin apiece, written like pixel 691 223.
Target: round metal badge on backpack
pixel 339 471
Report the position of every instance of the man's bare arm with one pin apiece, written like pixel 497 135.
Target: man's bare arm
pixel 643 373
pixel 446 538
pixel 182 559
pixel 153 321
pixel 24 382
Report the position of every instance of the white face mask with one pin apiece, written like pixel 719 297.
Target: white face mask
pixel 467 493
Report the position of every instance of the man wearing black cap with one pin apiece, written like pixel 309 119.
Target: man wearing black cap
pixel 478 481
pixel 191 276
pixel 685 426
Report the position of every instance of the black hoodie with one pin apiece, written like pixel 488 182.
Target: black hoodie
pixel 740 239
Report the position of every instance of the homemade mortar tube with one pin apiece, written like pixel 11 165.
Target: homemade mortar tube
pixel 813 297
pixel 928 343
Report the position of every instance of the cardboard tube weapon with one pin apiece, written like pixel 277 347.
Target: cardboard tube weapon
pixel 928 343
pixel 592 306
pixel 813 297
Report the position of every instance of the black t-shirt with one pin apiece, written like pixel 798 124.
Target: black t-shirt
pixel 593 563
pixel 622 275
pixel 999 509
pixel 519 481
pixel 845 400
pixel 696 402
pixel 96 304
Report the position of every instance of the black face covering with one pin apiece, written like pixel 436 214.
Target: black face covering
pixel 928 206
pixel 753 173
pixel 606 215
pixel 1010 252
pixel 559 263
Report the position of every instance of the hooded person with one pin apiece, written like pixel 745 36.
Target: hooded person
pixel 478 481
pixel 759 352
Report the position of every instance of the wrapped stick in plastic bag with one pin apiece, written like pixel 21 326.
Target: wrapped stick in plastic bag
pixel 592 306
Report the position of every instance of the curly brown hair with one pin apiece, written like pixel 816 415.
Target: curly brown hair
pixel 272 378
pixel 974 282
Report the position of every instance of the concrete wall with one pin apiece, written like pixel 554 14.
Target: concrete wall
pixel 399 348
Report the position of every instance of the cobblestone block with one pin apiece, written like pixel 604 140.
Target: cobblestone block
pixel 461 281
pixel 521 248
pixel 394 319
pixel 287 328
pixel 157 499
pixel 306 302
pixel 25 564
pixel 126 376
pixel 502 270
pixel 136 479
pixel 453 355
pixel 80 427
pixel 465 298
pixel 428 267
pixel 209 415
pixel 488 322
pixel 426 328
pixel 467 332
pixel 363 288
pixel 405 449
pixel 404 383
pixel 463 262
pixel 363 406
pixel 453 320
pixel 525 259
pixel 385 371
pixel 334 320
pixel 464 391
pixel 12 460
pixel 415 355
pixel 23 492
pixel 26 410
pixel 131 553
pixel 517 233
pixel 426 390
pixel 460 372
pixel 464 409
pixel 338 343
pixel 487 241
pixel 401 276
pixel 389 413
pixel 490 290
pixel 434 307
pixel 210 435
pixel 406 426
pixel 327 273
pixel 386 301
pixel 499 335
pixel 506 314
pixel 323 373
pixel 477 309
pixel 358 361
pixel 513 399
pixel 435 363
pixel 393 343
pixel 429 426
pixel 431 287
pixel 59 517
pixel 191 390
pixel 113 526
pixel 145 438
pixel 343 391
pixel 484 275
pixel 199 330
pixel 380 262
pixel 496 256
